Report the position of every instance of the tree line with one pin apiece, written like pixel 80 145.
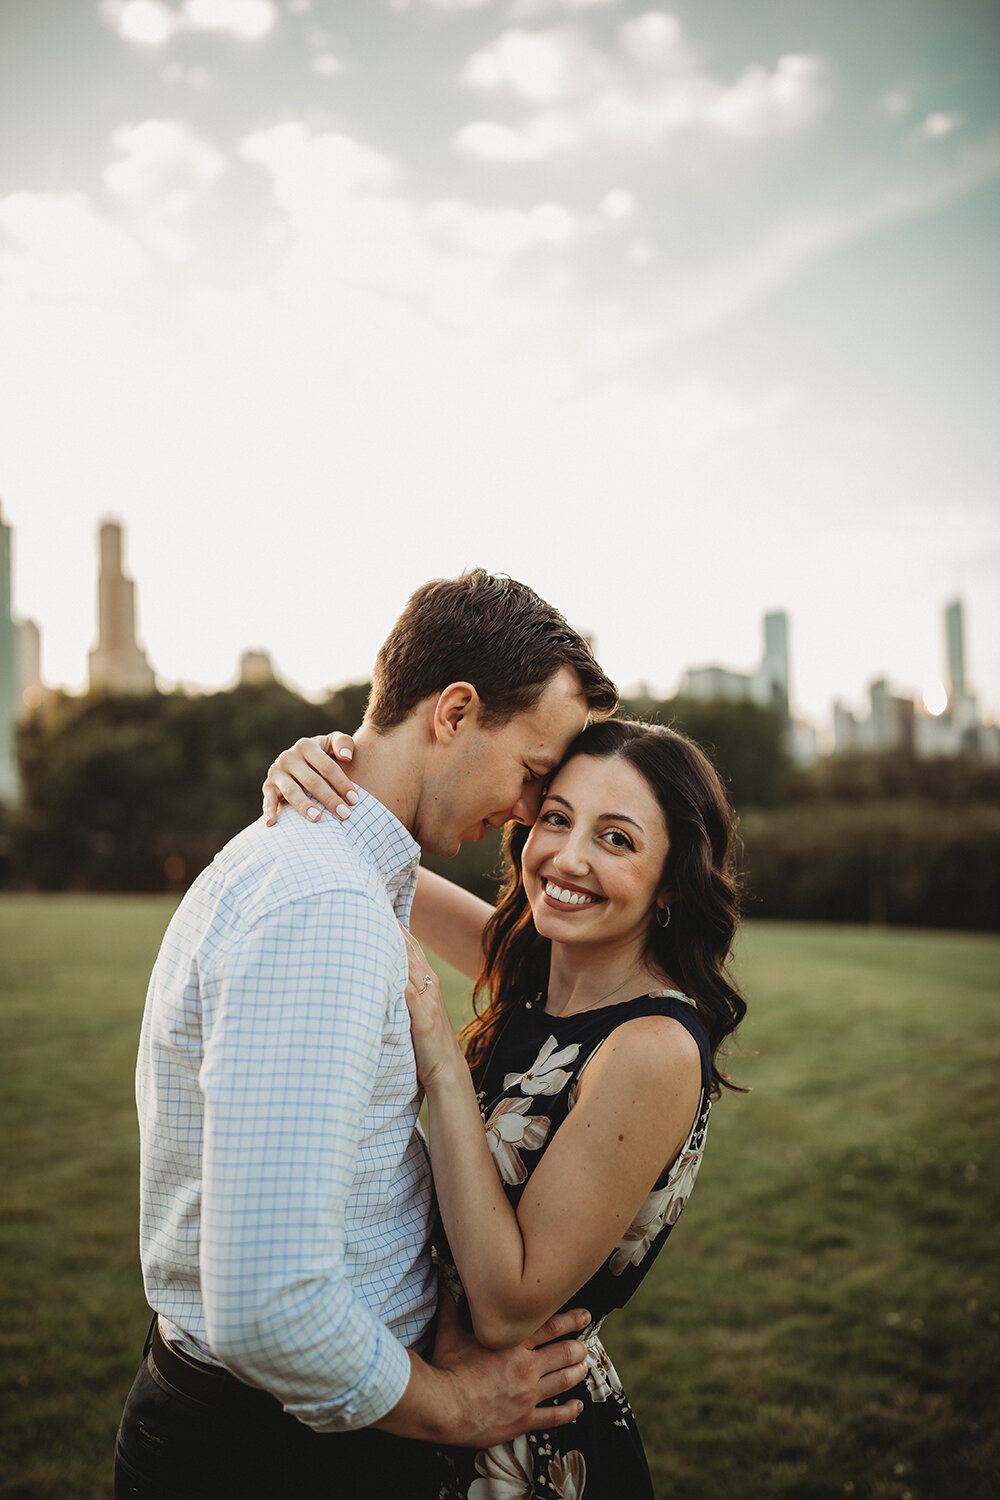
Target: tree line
pixel 138 794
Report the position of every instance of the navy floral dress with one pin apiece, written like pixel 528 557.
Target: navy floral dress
pixel 526 1089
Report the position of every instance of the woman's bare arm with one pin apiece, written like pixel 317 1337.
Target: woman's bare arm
pixel 450 921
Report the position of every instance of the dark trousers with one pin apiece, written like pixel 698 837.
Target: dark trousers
pixel 191 1433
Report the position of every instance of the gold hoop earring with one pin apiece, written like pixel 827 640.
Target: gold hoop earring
pixel 662 921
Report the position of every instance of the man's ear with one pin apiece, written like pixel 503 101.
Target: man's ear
pixel 456 709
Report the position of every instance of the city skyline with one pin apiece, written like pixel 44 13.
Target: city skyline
pixel 681 315
pixel 117 662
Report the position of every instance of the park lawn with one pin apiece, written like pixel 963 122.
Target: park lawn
pixel 825 1320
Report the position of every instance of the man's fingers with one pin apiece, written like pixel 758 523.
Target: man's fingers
pixel 559 1381
pixel 558 1326
pixel 544 1417
pixel 555 1358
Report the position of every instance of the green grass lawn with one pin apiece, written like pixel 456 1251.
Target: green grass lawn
pixel 825 1321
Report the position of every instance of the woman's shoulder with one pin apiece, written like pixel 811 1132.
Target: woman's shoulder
pixel 675 1012
pixel 657 1038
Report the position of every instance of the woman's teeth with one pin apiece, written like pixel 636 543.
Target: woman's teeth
pixel 568 898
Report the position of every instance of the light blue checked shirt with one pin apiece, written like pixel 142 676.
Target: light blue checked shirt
pixel 285 1187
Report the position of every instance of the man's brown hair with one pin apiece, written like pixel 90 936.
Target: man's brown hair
pixel 490 631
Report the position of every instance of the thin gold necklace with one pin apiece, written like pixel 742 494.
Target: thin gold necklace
pixel 601 999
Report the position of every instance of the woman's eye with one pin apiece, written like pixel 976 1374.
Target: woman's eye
pixel 556 819
pixel 617 839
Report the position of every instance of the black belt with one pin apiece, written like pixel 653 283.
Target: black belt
pixel 210 1384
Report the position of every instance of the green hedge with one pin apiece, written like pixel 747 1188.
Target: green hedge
pixel 907 862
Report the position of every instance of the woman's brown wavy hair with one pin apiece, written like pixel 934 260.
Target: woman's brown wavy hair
pixel 693 949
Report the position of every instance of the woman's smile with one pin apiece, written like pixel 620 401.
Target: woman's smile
pixel 559 894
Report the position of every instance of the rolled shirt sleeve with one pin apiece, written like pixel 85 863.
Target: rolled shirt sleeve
pixel 295 1018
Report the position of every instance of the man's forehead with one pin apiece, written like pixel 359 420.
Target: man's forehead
pixel 556 719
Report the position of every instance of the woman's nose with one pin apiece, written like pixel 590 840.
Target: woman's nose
pixel 571 856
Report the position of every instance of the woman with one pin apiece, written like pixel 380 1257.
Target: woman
pixel 614 925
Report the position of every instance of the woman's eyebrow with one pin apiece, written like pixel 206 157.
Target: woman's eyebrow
pixel 621 818
pixel 555 797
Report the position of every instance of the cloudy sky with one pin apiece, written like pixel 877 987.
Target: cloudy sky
pixel 679 315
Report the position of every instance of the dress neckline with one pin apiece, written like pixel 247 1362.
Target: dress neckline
pixel 537 1006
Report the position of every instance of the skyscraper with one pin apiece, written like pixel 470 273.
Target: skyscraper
pixel 773 673
pixel 955 639
pixel 117 664
pixel 10 691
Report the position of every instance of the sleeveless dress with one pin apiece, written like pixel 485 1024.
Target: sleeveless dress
pixel 526 1089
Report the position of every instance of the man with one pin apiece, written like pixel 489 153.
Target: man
pixel 286 1194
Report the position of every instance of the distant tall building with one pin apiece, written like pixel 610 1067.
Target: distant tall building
pixel 773 673
pixel 768 686
pixel 955 643
pixel 117 664
pixel 31 665
pixel 10 688
pixel 256 668
pixel 897 723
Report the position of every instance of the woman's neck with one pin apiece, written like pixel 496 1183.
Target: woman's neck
pixel 581 980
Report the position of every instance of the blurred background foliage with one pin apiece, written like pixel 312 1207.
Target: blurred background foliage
pixel 137 794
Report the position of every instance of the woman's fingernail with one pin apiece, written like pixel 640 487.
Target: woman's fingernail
pixel 342 811
pixel 352 798
pixel 346 754
pixel 314 814
pixel 268 822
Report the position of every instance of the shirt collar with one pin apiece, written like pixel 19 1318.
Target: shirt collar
pixel 381 839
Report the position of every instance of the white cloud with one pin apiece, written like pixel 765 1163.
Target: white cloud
pixel 65 252
pixel 152 23
pixel 147 22
pixel 544 67
pixel 655 39
pixel 159 156
pixel 164 168
pixel 491 141
pixel 195 77
pixel 526 9
pixel 618 204
pixel 941 123
pixel 311 172
pixel 896 102
pixel 500 232
pixel 250 19
pixel 327 65
pixel 762 104
pixel 654 89
pixel 640 253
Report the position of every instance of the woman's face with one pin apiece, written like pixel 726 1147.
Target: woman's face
pixel 593 863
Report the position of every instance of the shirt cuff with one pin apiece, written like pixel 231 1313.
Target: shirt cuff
pixel 380 1389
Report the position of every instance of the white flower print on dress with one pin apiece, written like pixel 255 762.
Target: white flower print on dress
pixel 506 1472
pixel 602 1377
pixel 510 1127
pixel 568 1475
pixel 662 1207
pixel 546 1074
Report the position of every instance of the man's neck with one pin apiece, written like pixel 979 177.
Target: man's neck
pixel 389 766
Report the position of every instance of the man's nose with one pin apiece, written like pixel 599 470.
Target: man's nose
pixel 525 809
